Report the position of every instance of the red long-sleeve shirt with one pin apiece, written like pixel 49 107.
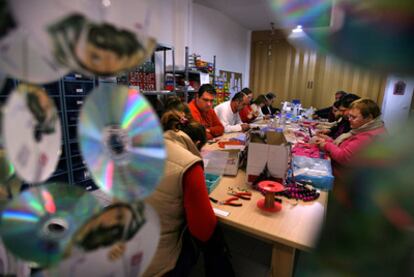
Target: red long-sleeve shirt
pixel 208 119
pixel 200 216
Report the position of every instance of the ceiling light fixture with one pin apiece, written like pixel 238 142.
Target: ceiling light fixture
pixel 298 29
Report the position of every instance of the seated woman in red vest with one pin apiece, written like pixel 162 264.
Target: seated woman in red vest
pixel 366 125
pixel 181 200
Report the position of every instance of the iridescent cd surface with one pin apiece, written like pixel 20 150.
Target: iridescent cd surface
pixel 6 168
pixel 38 224
pixel 122 142
pixel 32 133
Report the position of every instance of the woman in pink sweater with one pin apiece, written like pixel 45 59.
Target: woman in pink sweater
pixel 366 124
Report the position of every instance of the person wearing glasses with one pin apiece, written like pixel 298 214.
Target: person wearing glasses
pixel 228 112
pixel 202 111
pixel 366 124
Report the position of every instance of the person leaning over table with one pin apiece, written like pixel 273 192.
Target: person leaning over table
pixel 228 113
pixel 247 114
pixel 257 106
pixel 327 113
pixel 343 126
pixel 268 108
pixel 366 125
pixel 174 102
pixel 202 110
pixel 182 203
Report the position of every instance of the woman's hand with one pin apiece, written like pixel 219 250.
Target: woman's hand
pixel 320 142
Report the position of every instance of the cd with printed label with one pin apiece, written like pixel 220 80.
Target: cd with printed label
pixel 32 133
pixel 119 241
pixel 95 37
pixel 122 142
pixel 22 57
pixel 38 225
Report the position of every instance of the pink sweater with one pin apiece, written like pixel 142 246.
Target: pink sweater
pixel 344 152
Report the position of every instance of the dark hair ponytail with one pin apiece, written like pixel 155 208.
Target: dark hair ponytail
pixel 175 120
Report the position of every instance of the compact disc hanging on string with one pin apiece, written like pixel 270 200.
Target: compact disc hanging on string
pixel 32 133
pixel 122 142
pixel 93 37
pixel 121 240
pixel 22 54
pixel 38 224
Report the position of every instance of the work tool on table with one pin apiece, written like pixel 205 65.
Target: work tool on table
pixel 242 194
pixel 230 201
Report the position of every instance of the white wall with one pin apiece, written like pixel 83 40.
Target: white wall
pixel 170 25
pixel 396 108
pixel 213 33
pixel 205 31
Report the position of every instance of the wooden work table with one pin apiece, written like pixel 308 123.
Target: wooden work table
pixel 296 226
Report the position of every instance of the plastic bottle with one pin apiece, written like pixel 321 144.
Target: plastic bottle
pixel 282 121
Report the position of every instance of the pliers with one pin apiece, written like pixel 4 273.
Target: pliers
pixel 229 201
pixel 240 194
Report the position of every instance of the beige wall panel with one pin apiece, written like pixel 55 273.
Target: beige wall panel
pixel 311 77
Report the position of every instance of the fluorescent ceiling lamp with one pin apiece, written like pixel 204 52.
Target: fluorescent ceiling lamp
pixel 298 29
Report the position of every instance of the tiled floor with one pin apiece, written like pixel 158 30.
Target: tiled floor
pixel 250 257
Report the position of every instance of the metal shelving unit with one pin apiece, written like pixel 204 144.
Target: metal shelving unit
pixel 191 74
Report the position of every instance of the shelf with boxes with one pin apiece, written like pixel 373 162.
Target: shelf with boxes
pixel 222 89
pixel 143 78
pixel 195 73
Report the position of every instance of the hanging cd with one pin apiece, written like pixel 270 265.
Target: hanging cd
pixel 10 265
pixel 38 224
pixel 122 142
pixel 91 37
pixel 22 57
pixel 119 241
pixel 32 133
pixel 23 54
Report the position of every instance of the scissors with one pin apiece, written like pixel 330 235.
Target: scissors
pixel 229 201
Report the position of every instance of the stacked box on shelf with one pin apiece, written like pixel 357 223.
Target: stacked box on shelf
pixel 222 90
pixel 169 82
pixel 143 76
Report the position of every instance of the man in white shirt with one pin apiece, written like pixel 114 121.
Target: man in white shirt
pixel 228 113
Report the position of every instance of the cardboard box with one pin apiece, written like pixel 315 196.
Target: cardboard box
pixel 272 150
